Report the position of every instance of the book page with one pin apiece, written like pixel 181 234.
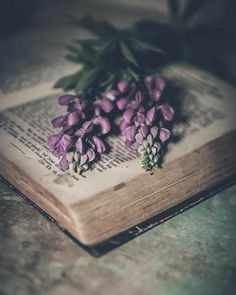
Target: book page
pixel 209 106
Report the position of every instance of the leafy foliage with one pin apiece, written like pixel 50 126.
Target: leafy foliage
pixel 111 56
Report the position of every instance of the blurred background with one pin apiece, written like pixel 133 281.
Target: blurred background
pixel 34 34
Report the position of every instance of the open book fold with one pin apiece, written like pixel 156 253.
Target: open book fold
pixel 116 194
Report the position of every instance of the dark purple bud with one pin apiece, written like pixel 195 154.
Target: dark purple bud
pixel 130 132
pixel 122 103
pixel 164 134
pixel 123 85
pixel 167 112
pixel 128 115
pixel 64 163
pixel 54 140
pixel 144 130
pixel 79 145
pixel 106 105
pixel 73 119
pixel 66 142
pixel 91 155
pixel 154 131
pixel 100 146
pixel 151 114
pixel 65 99
pixel 58 121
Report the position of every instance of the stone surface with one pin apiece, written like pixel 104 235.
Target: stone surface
pixel 193 253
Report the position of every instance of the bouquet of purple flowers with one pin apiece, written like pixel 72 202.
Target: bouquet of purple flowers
pixel 113 86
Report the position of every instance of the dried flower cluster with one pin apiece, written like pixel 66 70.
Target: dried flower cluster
pixel 143 123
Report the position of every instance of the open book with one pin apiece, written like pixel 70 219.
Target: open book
pixel 117 194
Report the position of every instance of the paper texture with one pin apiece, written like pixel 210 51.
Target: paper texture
pixel 207 103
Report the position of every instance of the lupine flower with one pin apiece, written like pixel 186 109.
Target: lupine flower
pixel 143 119
pixel 83 126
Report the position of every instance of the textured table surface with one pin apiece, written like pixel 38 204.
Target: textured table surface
pixel 193 253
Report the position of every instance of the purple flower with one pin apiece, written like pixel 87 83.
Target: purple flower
pixel 164 134
pixel 91 154
pixel 99 144
pixel 155 85
pixel 64 163
pixel 151 115
pixel 58 121
pixel 73 119
pixel 104 124
pixel 122 103
pixel 106 104
pixel 53 140
pixel 167 112
pixel 66 99
pixel 130 132
pixel 123 85
pixel 79 145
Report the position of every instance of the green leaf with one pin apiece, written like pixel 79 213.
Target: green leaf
pixel 127 53
pixel 72 58
pixel 147 46
pixel 67 82
pixel 87 78
pixel 132 74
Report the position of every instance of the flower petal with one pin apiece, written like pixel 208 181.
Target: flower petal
pixel 164 134
pixel 130 132
pixel 73 119
pixel 151 114
pixel 139 97
pixel 66 142
pixel 106 105
pixel 64 163
pixel 154 131
pixel 58 121
pixel 100 146
pixel 66 99
pixel 91 154
pixel 128 143
pixel 128 115
pixel 156 94
pixel 111 94
pixel 54 140
pixel 139 138
pixel 79 145
pixel 87 126
pixel 123 85
pixel 104 124
pixel 122 103
pixel 144 130
pixel 123 125
pixel 167 112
